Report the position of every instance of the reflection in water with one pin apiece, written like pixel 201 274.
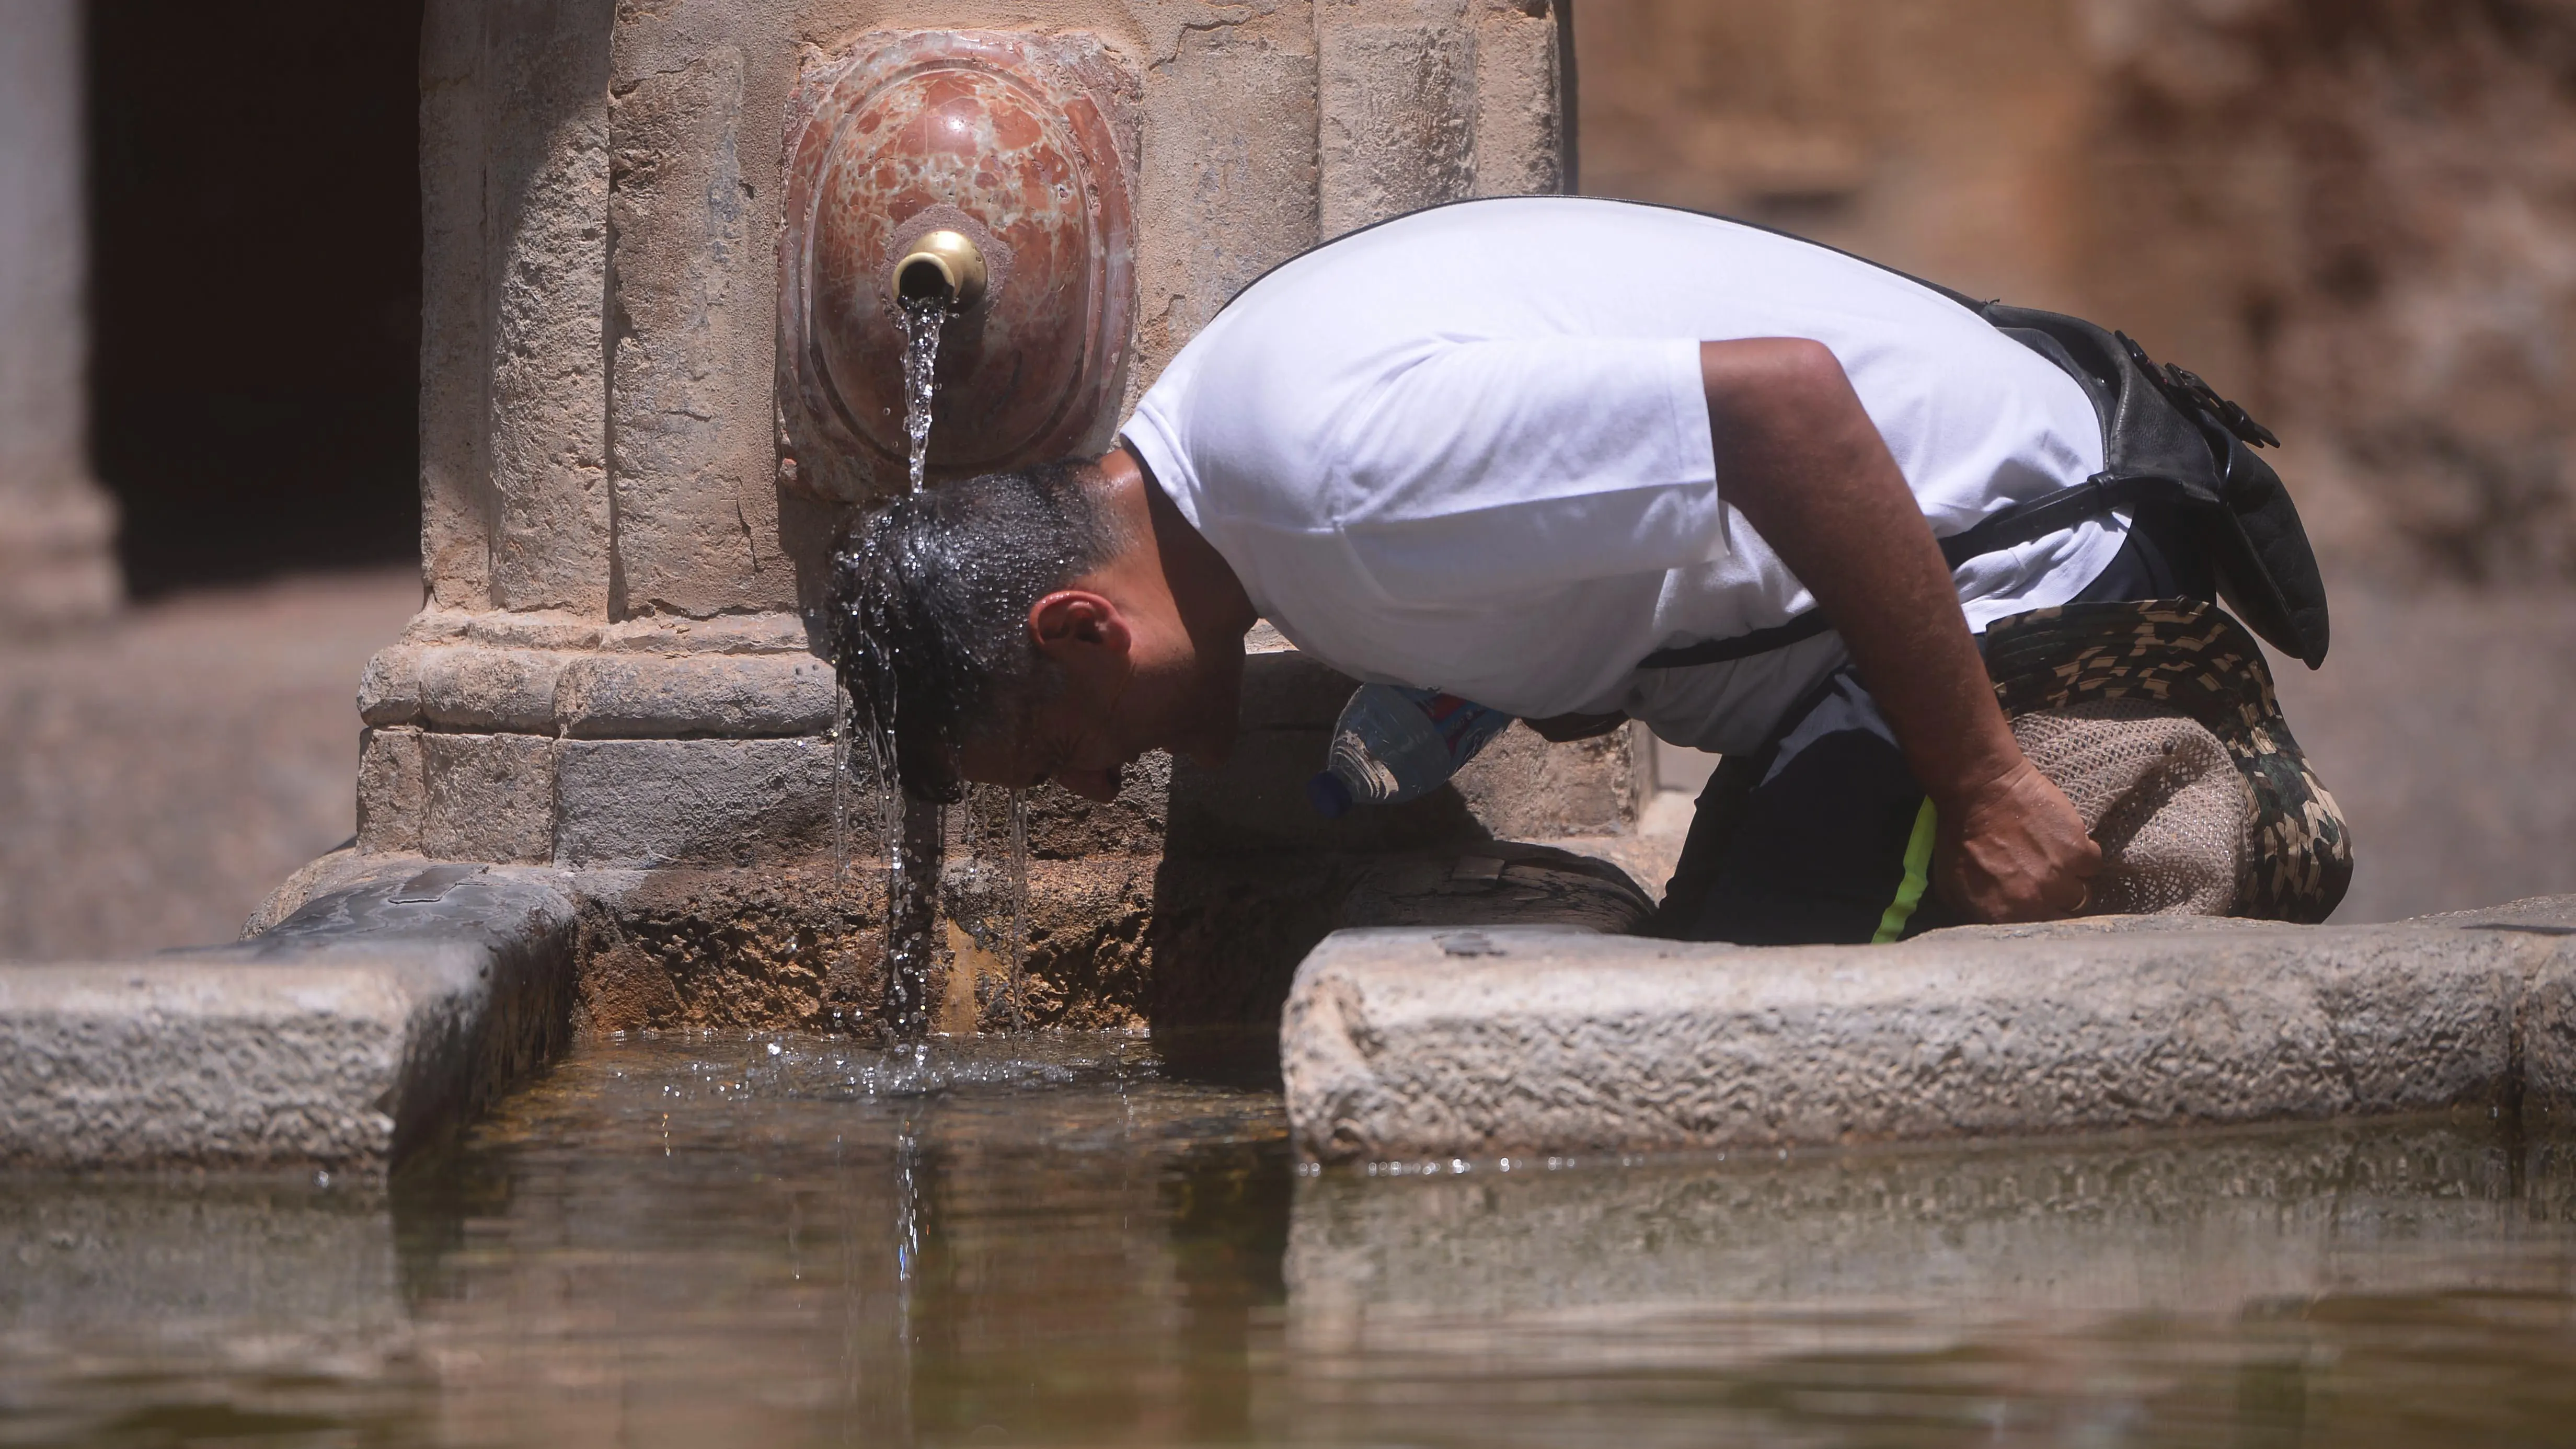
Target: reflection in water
pixel 702 1241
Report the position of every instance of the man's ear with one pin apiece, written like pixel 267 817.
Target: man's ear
pixel 1074 626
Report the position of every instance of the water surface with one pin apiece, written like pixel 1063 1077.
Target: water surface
pixel 711 1241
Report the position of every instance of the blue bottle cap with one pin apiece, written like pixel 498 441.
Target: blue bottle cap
pixel 1330 797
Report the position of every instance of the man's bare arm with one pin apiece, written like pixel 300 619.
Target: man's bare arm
pixel 1798 455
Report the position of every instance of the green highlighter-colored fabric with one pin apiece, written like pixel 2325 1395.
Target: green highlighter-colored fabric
pixel 1918 876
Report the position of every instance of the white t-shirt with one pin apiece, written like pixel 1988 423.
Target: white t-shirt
pixel 1470 450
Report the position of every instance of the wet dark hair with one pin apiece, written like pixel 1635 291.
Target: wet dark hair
pixel 930 600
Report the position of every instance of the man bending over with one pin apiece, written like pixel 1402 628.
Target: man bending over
pixel 1584 461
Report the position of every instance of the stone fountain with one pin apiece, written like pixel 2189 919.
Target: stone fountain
pixel 660 378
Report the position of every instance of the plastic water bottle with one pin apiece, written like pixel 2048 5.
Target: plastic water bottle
pixel 1394 744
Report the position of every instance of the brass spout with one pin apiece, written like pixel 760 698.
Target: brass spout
pixel 942 264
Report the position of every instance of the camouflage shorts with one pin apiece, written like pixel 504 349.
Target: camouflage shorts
pixel 2191 657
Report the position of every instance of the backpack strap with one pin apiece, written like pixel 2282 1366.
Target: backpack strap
pixel 2023 522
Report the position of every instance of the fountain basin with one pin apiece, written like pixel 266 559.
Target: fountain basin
pixel 717 1238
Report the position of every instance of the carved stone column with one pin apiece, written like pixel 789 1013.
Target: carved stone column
pixel 56 526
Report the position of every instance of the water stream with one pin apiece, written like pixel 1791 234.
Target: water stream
pixel 914 836
pixel 923 319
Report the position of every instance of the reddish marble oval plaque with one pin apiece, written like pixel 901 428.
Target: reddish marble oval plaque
pixel 995 135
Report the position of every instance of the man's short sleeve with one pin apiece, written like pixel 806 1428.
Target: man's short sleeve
pixel 1494 467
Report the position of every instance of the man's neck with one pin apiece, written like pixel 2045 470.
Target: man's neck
pixel 1206 597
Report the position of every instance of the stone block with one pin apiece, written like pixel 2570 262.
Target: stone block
pixel 1227 174
pixel 694 450
pixel 1499 883
pixel 490 798
pixel 389 687
pixel 1411 1043
pixel 648 696
pixel 796 947
pixel 1522 787
pixel 359 1028
pixel 455 412
pixel 543 88
pixel 393 789
pixel 556 629
pixel 1520 123
pixel 471 687
pixel 349 865
pixel 2545 928
pixel 57 526
pixel 1398 105
pixel 2549 1042
pixel 1065 826
pixel 775 632
pixel 57 549
pixel 715 802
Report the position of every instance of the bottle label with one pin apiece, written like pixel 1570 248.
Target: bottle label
pixel 1465 726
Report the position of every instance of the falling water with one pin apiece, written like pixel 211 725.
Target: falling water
pixel 987 886
pixel 914 833
pixel 923 317
pixel 844 719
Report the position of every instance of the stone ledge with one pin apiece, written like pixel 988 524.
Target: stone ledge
pixel 591 694
pixel 1406 1043
pixel 362 1026
pixel 533 799
pixel 771 632
pixel 478 752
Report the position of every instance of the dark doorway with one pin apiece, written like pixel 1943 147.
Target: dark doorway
pixel 255 284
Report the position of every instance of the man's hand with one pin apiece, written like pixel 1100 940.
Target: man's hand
pixel 2014 851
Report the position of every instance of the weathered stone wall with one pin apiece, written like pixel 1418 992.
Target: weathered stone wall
pixel 56 525
pixel 601 467
pixel 2374 206
pixel 2352 214
pixel 601 193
